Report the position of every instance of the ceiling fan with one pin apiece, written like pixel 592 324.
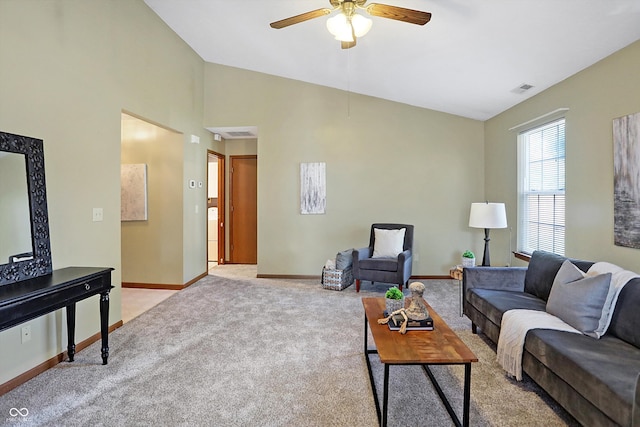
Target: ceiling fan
pixel 348 25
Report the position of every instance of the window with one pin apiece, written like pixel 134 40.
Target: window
pixel 541 195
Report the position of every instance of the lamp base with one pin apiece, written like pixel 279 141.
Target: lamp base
pixel 486 258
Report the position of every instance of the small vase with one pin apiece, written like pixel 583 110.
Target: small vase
pixel 392 305
pixel 468 262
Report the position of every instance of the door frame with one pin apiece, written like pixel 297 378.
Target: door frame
pixel 221 205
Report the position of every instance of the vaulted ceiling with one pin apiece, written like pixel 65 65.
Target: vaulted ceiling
pixel 470 60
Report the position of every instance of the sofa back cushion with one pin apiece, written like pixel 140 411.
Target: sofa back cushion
pixel 626 316
pixel 542 270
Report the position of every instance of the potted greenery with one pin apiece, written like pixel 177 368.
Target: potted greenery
pixel 393 299
pixel 468 259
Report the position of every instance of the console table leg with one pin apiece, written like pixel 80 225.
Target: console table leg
pixel 104 325
pixel 71 331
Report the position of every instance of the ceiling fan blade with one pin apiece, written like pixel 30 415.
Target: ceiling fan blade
pixel 399 13
pixel 348 45
pixel 300 18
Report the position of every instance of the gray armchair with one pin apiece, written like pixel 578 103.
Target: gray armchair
pixel 396 269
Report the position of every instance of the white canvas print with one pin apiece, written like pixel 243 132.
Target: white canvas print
pixel 133 192
pixel 313 188
pixel 626 181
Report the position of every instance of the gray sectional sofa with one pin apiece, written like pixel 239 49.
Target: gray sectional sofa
pixel 595 380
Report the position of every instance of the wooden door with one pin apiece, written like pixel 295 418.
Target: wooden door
pixel 243 210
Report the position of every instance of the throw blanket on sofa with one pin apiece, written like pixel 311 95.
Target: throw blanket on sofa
pixel 619 278
pixel 513 330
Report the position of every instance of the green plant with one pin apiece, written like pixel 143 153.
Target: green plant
pixel 394 293
pixel 468 254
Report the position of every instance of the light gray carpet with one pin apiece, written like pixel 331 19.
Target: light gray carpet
pixel 232 351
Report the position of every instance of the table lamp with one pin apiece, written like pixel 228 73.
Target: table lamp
pixel 487 215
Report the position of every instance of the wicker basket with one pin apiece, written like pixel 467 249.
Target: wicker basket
pixel 336 280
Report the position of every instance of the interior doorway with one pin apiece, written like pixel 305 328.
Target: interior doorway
pixel 215 209
pixel 243 209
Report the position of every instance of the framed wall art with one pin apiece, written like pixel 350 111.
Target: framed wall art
pixel 313 188
pixel 626 180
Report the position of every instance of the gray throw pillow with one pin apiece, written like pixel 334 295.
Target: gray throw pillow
pixel 578 300
pixel 542 269
pixel 344 259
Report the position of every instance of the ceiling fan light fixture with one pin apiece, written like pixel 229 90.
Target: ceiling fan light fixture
pixel 344 28
pixel 340 27
pixel 337 24
pixel 361 24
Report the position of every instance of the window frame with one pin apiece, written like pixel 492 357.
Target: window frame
pixel 557 224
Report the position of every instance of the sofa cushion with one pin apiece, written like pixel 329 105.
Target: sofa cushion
pixel 626 316
pixel 603 371
pixel 380 264
pixel 578 300
pixel 542 270
pixel 493 303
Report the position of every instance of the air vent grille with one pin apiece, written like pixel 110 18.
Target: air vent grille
pixel 522 88
pixel 241 134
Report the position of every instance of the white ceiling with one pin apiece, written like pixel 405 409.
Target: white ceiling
pixel 467 61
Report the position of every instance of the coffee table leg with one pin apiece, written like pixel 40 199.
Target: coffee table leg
pixel 385 395
pixel 467 394
pixel 365 335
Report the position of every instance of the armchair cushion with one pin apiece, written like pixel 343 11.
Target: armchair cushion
pixel 388 243
pixel 381 264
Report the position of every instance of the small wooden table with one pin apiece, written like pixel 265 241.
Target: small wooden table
pixel 438 347
pixel 456 274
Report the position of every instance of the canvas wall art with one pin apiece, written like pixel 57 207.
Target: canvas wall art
pixel 313 188
pixel 626 180
pixel 133 192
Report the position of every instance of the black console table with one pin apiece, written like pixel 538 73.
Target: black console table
pixel 27 299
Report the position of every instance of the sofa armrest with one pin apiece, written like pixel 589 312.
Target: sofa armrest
pixel 500 278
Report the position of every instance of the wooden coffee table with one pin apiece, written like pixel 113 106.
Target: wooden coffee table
pixel 438 347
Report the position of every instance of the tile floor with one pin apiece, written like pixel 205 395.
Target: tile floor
pixel 136 301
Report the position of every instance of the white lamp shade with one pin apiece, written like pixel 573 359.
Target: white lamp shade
pixel 488 215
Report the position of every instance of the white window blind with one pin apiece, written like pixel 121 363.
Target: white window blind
pixel 541 207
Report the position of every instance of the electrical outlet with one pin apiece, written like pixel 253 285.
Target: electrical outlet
pixel 26 334
pixel 97 214
pixel 416 257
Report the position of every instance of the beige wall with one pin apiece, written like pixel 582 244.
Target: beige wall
pixel 386 162
pixel 595 96
pixel 152 249
pixel 69 68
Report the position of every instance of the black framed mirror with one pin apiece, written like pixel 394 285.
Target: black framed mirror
pixel 25 249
